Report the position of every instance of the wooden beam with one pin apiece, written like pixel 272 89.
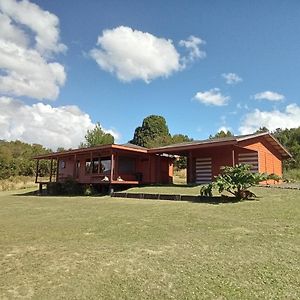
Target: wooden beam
pixel 112 167
pixel 51 169
pixel 233 158
pixel 190 168
pixel 37 170
pixel 57 169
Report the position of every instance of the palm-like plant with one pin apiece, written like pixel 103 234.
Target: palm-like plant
pixel 237 180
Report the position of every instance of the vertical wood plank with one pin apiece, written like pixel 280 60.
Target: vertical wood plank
pixel 37 170
pixel 51 169
pixel 112 166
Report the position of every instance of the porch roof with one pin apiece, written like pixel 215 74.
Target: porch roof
pixel 126 147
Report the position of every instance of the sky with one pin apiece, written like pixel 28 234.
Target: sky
pixel 203 65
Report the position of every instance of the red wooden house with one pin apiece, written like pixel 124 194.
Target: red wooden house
pixel 133 165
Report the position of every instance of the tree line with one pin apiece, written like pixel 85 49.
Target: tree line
pixel 16 156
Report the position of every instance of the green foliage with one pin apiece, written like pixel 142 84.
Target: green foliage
pixel 181 162
pixel 262 129
pixel 236 180
pixel 97 137
pixel 16 159
pixel 291 175
pixel 221 134
pixel 153 132
pixel 290 138
pixel 88 190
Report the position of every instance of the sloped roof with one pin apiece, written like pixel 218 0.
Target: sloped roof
pixel 129 145
pixel 232 140
pixel 180 147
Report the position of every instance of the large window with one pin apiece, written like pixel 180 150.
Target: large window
pixel 126 165
pixel 98 166
pixel 88 166
pixel 105 165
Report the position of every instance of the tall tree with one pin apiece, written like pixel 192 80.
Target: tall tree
pixel 221 134
pixel 262 129
pixel 97 136
pixel 153 132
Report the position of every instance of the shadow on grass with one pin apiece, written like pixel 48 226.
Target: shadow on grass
pixel 220 200
pixel 44 194
pixel 173 197
pixel 215 200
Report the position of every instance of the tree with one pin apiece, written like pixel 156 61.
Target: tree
pixel 16 159
pixel 97 136
pixel 181 162
pixel 154 132
pixel 236 181
pixel 221 134
pixel 262 129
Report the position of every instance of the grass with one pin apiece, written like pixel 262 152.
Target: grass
pixel 179 176
pixel 293 174
pixel 111 248
pixel 17 183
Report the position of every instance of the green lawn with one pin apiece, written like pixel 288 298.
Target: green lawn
pixel 112 248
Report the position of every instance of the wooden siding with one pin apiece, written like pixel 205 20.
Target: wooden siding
pixel 249 158
pixel 269 160
pixel 203 169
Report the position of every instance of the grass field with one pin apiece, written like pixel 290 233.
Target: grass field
pixel 111 248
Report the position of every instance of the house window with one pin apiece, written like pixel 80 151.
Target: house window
pixel 87 166
pixel 105 165
pixel 95 166
pixel 62 164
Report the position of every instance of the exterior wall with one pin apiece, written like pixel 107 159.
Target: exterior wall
pixel 269 161
pixel 67 170
pixel 219 156
pixel 148 168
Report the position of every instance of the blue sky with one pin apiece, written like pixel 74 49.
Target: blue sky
pixel 257 41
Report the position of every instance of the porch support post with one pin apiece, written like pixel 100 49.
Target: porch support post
pixel 99 164
pixel 233 159
pixel 190 168
pixel 51 169
pixel 37 170
pixel 57 169
pixel 112 167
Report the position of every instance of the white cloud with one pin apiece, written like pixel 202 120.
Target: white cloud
pixel 289 118
pixel 44 24
pixel 212 97
pixel 53 127
pixel 268 95
pixel 192 44
pixel 26 68
pixel 133 54
pixel 232 78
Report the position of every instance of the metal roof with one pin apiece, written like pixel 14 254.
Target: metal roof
pixel 216 142
pixel 180 147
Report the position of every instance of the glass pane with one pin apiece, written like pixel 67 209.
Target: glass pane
pixel 105 166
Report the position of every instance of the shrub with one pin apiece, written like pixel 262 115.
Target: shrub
pixel 88 190
pixel 237 180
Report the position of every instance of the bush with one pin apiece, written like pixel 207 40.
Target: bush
pixel 71 187
pixel 237 180
pixel 88 190
pixel 291 175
